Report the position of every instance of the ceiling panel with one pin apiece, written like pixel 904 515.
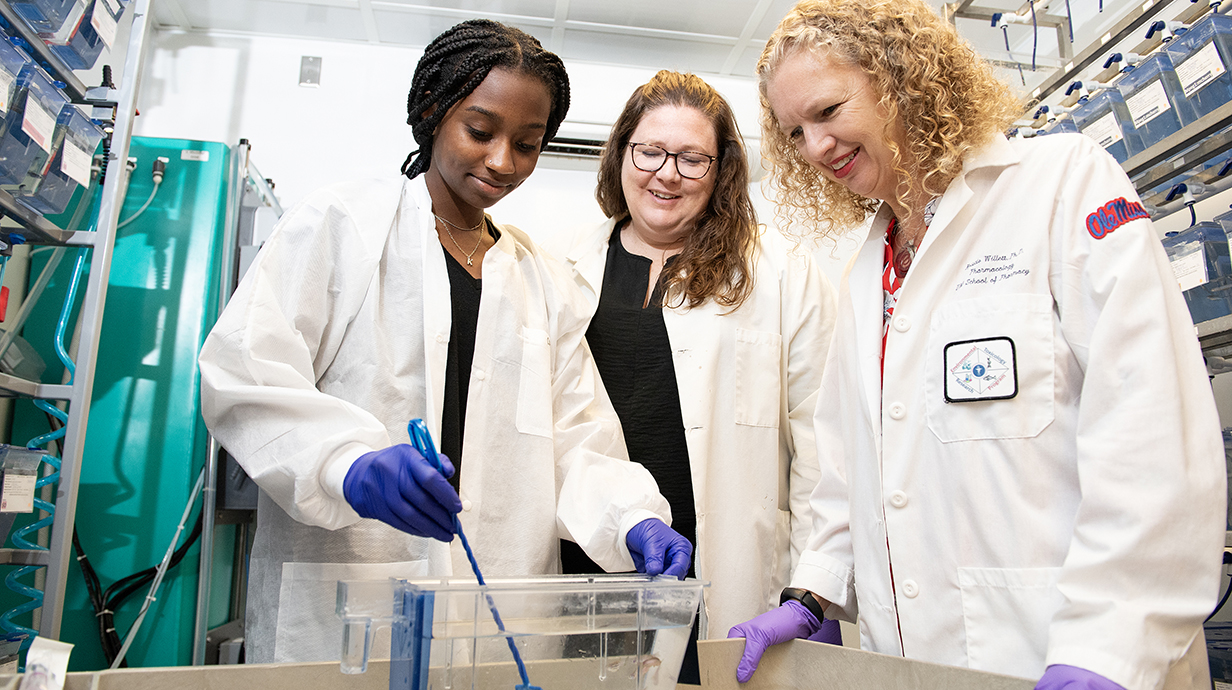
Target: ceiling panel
pixel 419 28
pixel 714 17
pixel 275 17
pixel 650 51
pixel 704 36
pixel 778 9
pixel 527 8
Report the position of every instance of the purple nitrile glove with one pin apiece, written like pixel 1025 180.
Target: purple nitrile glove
pixel 1062 677
pixel 788 622
pixel 397 486
pixel 659 549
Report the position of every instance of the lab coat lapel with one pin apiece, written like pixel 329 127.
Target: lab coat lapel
pixel 868 304
pixel 953 212
pixel 416 215
pixel 587 258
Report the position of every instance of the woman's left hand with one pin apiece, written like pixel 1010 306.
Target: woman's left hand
pixel 659 549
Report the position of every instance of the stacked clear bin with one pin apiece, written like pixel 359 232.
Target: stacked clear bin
pixel 80 48
pixel 1154 97
pixel 76 139
pixel 1202 56
pixel 1104 117
pixel 47 16
pixel 29 130
pixel 1200 260
pixel 574 633
pixel 12 62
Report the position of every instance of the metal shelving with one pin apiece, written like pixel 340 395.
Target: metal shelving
pixel 34 229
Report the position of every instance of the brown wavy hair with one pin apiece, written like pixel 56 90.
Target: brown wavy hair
pixel 717 258
pixel 943 93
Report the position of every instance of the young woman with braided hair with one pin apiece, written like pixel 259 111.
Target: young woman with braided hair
pixel 377 302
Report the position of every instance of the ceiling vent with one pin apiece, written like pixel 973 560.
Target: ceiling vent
pixel 565 146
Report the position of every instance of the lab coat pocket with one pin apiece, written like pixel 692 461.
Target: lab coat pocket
pixel 534 413
pixel 1006 614
pixel 309 629
pixel 1015 327
pixel 757 377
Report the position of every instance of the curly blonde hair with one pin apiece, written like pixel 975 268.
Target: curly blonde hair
pixel 942 93
pixel 717 258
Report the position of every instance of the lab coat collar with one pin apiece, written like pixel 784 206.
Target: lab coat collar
pixel 587 258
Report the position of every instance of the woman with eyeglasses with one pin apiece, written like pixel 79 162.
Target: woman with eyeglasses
pixel 710 335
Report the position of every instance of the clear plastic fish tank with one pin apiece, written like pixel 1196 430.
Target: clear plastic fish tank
pixel 1202 264
pixel 1202 56
pixel 1155 98
pixel 552 632
pixel 76 139
pixel 1104 117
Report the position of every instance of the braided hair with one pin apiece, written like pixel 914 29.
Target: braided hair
pixel 458 60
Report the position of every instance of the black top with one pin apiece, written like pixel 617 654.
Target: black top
pixel 634 357
pixel 464 293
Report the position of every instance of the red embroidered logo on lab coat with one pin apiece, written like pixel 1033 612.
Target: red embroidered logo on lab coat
pixel 1113 215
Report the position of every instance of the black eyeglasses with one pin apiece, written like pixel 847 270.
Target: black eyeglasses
pixel 690 164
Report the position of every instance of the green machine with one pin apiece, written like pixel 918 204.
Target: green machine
pixel 145 443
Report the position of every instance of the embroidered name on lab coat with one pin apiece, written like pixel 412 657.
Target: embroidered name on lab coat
pixel 985 369
pixel 1113 215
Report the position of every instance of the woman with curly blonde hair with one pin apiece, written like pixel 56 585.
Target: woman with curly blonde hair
pixel 710 336
pixel 1002 487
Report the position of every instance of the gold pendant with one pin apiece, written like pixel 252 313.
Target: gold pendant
pixel 469 262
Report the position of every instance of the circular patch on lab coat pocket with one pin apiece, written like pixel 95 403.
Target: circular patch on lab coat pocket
pixel 1006 615
pixel 1024 320
pixel 757 373
pixel 534 414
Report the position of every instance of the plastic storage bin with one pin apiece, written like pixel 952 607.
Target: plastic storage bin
pixel 12 61
pixel 1104 117
pixel 95 32
pixel 1201 57
pixel 1225 219
pixel 1154 98
pixel 29 129
pixel 1200 260
pixel 75 141
pixel 605 631
pixel 45 16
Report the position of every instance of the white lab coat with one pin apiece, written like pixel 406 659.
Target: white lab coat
pixel 336 337
pixel 1080 522
pixel 748 382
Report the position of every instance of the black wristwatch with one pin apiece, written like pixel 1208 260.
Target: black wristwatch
pixel 805 598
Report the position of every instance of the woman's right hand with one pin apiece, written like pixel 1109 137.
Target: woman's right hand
pixel 788 622
pixel 399 487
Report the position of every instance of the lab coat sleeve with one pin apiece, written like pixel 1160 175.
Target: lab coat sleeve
pixel 602 494
pixel 1143 567
pixel 827 564
pixel 808 323
pixel 260 363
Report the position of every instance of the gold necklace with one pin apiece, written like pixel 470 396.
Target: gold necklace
pixel 469 262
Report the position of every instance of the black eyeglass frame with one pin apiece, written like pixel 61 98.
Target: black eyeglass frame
pixel 674 156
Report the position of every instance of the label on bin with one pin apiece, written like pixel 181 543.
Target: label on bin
pixel 38 124
pixel 18 493
pixel 1200 69
pixel 1105 130
pixel 105 26
pixel 75 162
pixel 1148 104
pixel 6 88
pixel 1190 269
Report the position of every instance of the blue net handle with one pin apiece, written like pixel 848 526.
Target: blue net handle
pixel 421 440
